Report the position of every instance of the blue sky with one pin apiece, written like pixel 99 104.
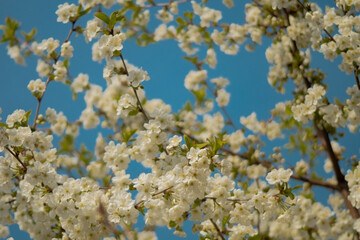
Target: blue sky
pixel 246 71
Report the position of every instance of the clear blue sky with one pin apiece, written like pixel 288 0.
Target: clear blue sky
pixel 247 73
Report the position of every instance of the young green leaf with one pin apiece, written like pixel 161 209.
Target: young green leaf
pixel 102 16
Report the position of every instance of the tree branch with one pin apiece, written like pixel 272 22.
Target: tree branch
pixel 153 195
pixel 49 77
pixel 308 9
pixel 16 157
pixel 316 182
pixel 357 76
pixel 342 184
pixel 217 229
pixel 140 105
pixel 105 221
pixel 135 92
pixel 229 120
pixel 323 135
pixel 164 4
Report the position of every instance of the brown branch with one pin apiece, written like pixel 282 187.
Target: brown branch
pixel 308 9
pixel 266 9
pixel 229 120
pixel 331 37
pixel 49 77
pixel 71 31
pixel 302 5
pixel 153 195
pixel 123 62
pixel 105 221
pixel 163 4
pixel 140 105
pixel 235 200
pixel 342 184
pixel 16 157
pixel 40 100
pixel 316 182
pixel 217 229
pixel 325 141
pixel 357 76
pixel 135 92
pixel 323 135
pixel 268 165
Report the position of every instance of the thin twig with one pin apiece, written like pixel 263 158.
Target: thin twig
pixel 357 76
pixel 135 92
pixel 16 157
pixel 140 105
pixel 268 165
pixel 123 62
pixel 71 31
pixel 302 4
pixel 217 229
pixel 49 77
pixel 316 182
pixel 40 100
pixel 164 4
pixel 105 221
pixel 229 120
pixel 330 36
pixel 153 195
pixel 308 9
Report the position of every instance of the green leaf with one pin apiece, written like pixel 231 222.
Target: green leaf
pixel 201 145
pixel 193 60
pixel 172 224
pixel 187 106
pixel 136 12
pixel 180 21
pixel 189 15
pixel 27 116
pixel 144 40
pixel 212 167
pixel 66 144
pixel 224 221
pixel 106 180
pixel 86 11
pixel 255 237
pixel 113 19
pixel 126 135
pixel 29 36
pixel 85 155
pixel 179 28
pixel 133 112
pixel 296 187
pixel 197 203
pixel 188 142
pixel 117 53
pixel 102 16
pixel 12 23
pixel 131 187
pixel 200 94
pixel 66 62
pixel 79 9
pixel 215 145
pixel 141 210
pixel 291 195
